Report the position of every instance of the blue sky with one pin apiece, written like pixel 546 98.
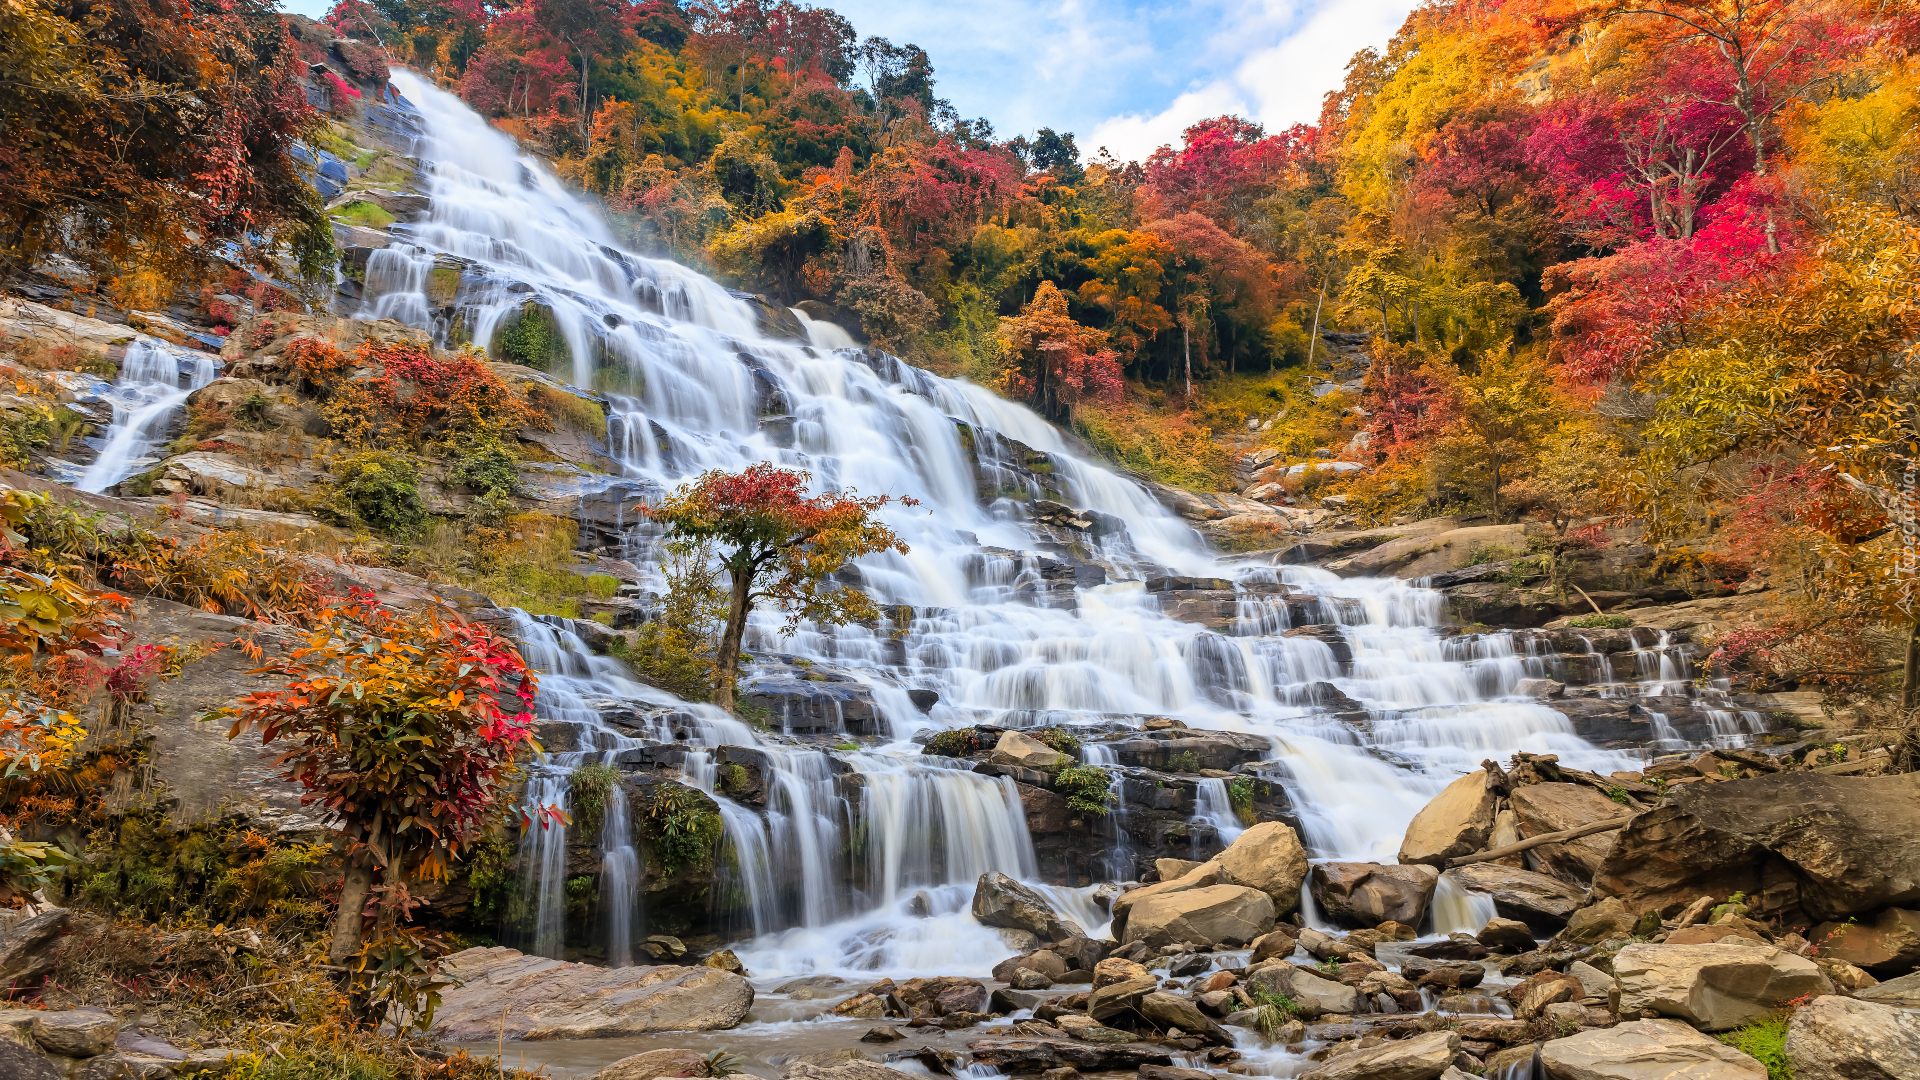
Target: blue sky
pixel 1119 73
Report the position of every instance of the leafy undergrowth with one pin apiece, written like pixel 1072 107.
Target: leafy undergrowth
pixel 1765 1041
pixel 1170 447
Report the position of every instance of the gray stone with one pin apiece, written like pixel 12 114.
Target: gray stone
pixel 18 1062
pixel 1713 987
pixel 998 900
pixel 1368 894
pixel 77 1034
pixel 1423 1057
pixel 1836 1038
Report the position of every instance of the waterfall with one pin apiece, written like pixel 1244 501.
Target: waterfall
pixel 146 398
pixel 1213 807
pixel 864 859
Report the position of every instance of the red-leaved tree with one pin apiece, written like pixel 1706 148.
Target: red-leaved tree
pixel 778 545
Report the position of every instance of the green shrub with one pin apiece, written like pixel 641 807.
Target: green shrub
pixel 1056 738
pixel 1240 797
pixel 592 788
pixel 1184 761
pixel 1600 622
pixel 1273 1011
pixel 669 658
pixel 734 778
pixel 1765 1041
pixel 23 431
pixel 486 467
pixel 602 586
pixel 959 742
pixel 682 829
pixel 382 490
pixel 531 337
pixel 365 214
pixel 253 412
pixel 1085 789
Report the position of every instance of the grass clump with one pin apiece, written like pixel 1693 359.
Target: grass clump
pixel 1056 738
pixel 591 787
pixel 959 742
pixel 1085 788
pixel 364 214
pixel 1765 1041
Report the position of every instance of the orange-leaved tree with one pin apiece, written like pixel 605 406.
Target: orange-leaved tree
pixel 1057 362
pixel 394 723
pixel 777 544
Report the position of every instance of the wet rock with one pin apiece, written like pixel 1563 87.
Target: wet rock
pixel 943 996
pixel 1185 966
pixel 852 1070
pixel 1064 1072
pixel 882 1034
pixel 999 900
pixel 815 700
pixel 531 997
pixel 1367 894
pixel 812 987
pixel 1795 842
pixel 1646 1050
pixel 1043 961
pixel 1268 857
pixel 1542 902
pixel 1545 808
pixel 654 1064
pixel 1172 1072
pixel 1887 945
pixel 1218 915
pixel 1457 822
pixel 1120 999
pixel 1505 1032
pixel 1423 1057
pixel 1713 987
pixel 1081 954
pixel 78 1034
pixel 1114 969
pixel 1453 947
pixel 861 1007
pixel 1532 995
pixel 1007 1000
pixel 1506 935
pixel 1442 975
pixel 1836 1038
pixel 1278 944
pixel 1028 979
pixel 1189 751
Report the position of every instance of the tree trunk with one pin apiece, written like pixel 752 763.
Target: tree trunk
pixel 354 892
pixel 1186 350
pixel 1314 338
pixel 726 660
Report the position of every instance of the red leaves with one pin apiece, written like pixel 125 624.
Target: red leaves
pixel 1058 361
pixel 1222 167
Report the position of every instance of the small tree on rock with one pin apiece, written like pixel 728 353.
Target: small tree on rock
pixel 777 544
pixel 393 723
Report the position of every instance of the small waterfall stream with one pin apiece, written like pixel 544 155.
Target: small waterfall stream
pixel 864 859
pixel 146 398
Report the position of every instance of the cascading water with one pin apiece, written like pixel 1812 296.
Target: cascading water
pixel 881 880
pixel 146 397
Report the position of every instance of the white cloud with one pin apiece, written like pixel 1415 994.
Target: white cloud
pixel 1134 136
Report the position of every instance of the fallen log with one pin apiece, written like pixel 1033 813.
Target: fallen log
pixel 1544 838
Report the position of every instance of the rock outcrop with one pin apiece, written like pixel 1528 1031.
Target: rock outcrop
pixel 1837 1038
pixel 1548 808
pixel 1000 901
pixel 1217 915
pixel 1423 1057
pixel 1543 903
pixel 1268 857
pixel 531 997
pixel 1804 846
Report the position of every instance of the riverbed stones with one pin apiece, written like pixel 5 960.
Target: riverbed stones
pixel 1367 894
pixel 1043 961
pixel 504 991
pixel 1542 902
pixel 1268 857
pixel 1713 987
pixel 1796 843
pixel 1116 1000
pixel 1457 822
pixel 1038 1055
pixel 1280 944
pixel 1837 1038
pixel 1115 969
pixel 1646 1050
pixel 999 900
pixel 1423 1057
pixel 1506 935
pixel 1173 1011
pixel 1887 945
pixel 861 1007
pixel 946 995
pixel 1219 915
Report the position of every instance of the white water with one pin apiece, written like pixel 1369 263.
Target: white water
pixel 688 376
pixel 146 398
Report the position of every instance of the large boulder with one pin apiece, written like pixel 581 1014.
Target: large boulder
pixel 1887 945
pixel 1022 1055
pixel 1903 991
pixel 1713 987
pixel 1120 998
pixel 1368 894
pixel 1804 846
pixel 1173 1011
pixel 1027 753
pixel 1423 1057
pixel 1313 992
pixel 654 1064
pixel 503 992
pixel 1000 901
pixel 1836 1038
pixel 1218 915
pixel 1542 902
pixel 944 995
pixel 1597 922
pixel 1457 822
pixel 1547 808
pixel 1646 1050
pixel 1268 857
pixel 1205 875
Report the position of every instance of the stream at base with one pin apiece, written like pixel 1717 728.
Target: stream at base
pixel 860 859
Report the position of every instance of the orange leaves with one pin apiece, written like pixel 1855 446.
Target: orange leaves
pixel 416 397
pixel 1056 360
